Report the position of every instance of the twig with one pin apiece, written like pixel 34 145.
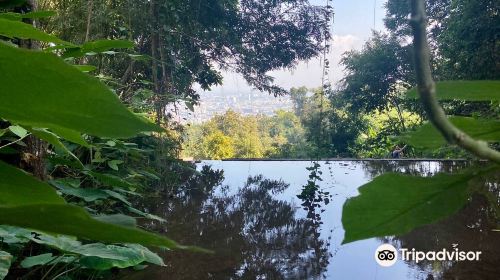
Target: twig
pixel 1 147
pixel 427 90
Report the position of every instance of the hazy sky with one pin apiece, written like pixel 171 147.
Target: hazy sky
pixel 353 24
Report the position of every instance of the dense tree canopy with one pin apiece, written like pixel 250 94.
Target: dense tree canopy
pixel 188 42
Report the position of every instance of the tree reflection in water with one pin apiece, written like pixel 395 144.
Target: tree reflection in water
pixel 254 234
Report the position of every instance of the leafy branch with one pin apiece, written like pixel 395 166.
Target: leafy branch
pixel 427 90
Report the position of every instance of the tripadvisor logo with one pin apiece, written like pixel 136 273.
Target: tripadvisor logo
pixel 387 255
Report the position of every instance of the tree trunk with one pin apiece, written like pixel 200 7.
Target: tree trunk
pixel 89 17
pixel 34 154
pixel 154 61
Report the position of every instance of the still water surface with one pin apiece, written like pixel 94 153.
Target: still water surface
pixel 250 216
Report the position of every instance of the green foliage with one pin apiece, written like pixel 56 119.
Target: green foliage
pixel 469 41
pixel 29 15
pixel 234 135
pixel 377 74
pixel 218 146
pixel 26 202
pixel 63 98
pixel 99 46
pixel 464 90
pixel 37 260
pixel 5 261
pixel 394 204
pixel 96 256
pixel 21 30
pixel 427 136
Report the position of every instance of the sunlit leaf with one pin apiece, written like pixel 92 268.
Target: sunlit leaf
pixel 19 131
pixel 64 97
pixel 394 204
pixel 427 136
pixel 113 164
pixel 116 256
pixel 37 260
pixel 71 135
pixel 5 261
pixel 464 90
pixel 10 234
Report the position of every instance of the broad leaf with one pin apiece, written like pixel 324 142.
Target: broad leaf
pixel 88 195
pixel 37 260
pixel 427 136
pixel 97 255
pixel 29 203
pixel 117 256
pixel 31 15
pixel 73 220
pixel 71 135
pixel 18 29
pixel 464 90
pixel 19 131
pixel 64 97
pixel 9 234
pixel 394 204
pixel 5 261
pixel 113 164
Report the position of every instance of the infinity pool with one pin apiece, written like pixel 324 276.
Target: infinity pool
pixel 250 216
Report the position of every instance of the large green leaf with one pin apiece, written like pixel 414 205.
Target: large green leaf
pixel 427 136
pixel 29 203
pixel 96 255
pixel 63 98
pixel 31 15
pixel 464 90
pixel 9 234
pixel 394 204
pixel 5 261
pixel 21 30
pixel 86 194
pixel 102 257
pixel 73 220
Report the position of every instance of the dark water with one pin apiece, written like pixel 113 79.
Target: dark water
pixel 250 216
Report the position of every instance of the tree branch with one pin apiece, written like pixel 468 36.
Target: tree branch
pixel 427 90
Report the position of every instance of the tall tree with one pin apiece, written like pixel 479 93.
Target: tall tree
pixel 470 44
